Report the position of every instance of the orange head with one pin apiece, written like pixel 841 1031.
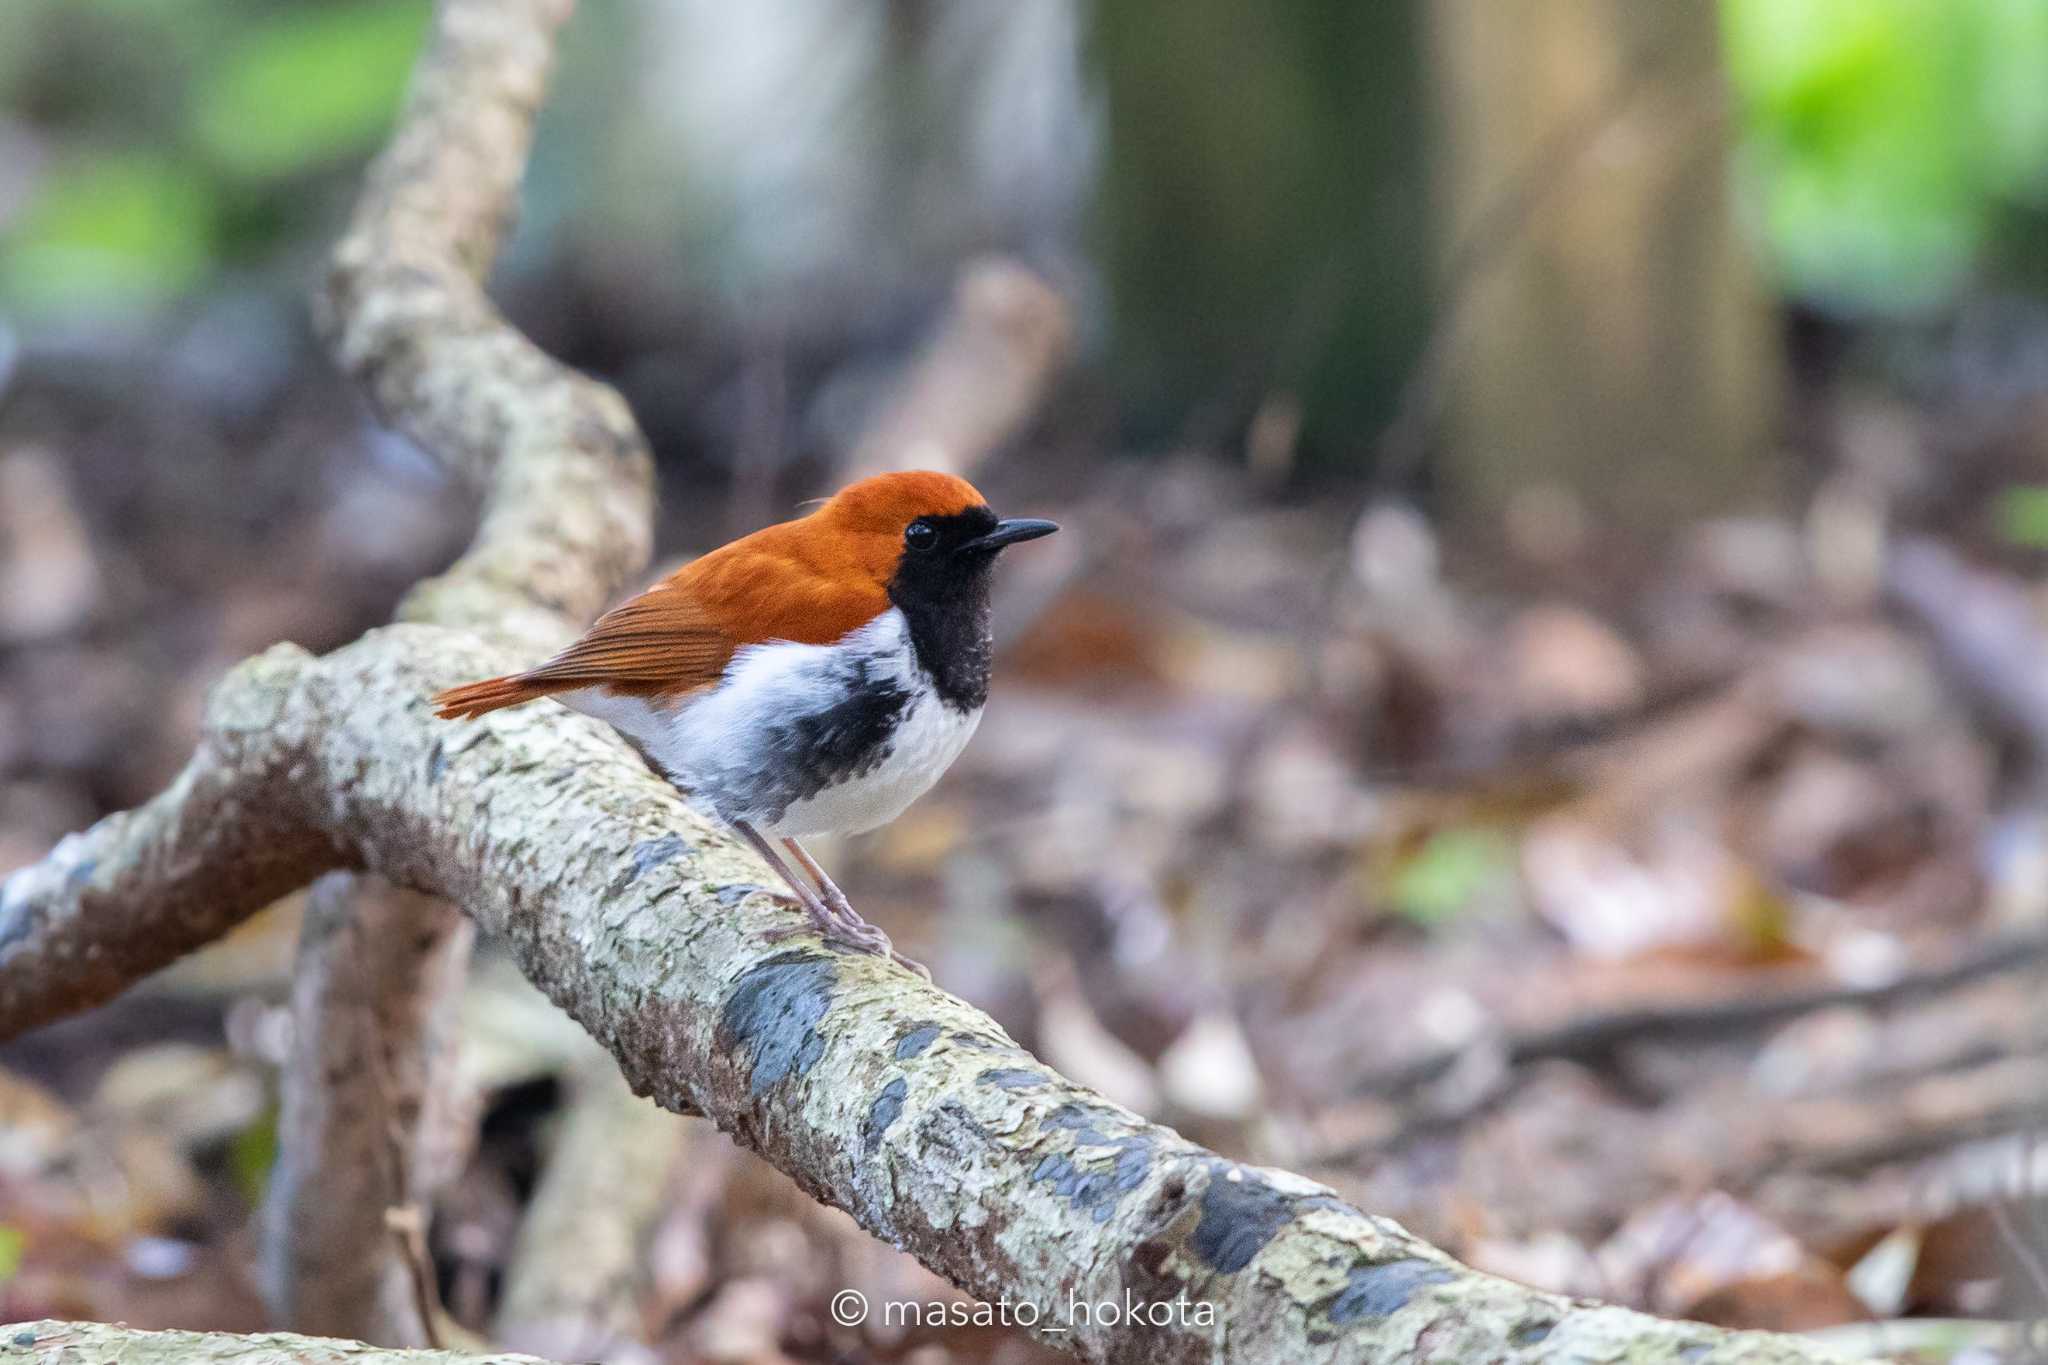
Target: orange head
pixel 890 502
pixel 915 524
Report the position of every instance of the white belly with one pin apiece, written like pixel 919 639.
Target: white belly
pixel 928 737
pixel 804 739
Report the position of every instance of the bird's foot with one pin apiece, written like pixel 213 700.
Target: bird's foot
pixel 841 924
pixel 855 930
pixel 852 928
pixel 849 928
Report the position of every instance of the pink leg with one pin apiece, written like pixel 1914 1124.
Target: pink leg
pixel 837 923
pixel 801 893
pixel 836 900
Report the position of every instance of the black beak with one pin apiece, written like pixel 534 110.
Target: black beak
pixel 1009 531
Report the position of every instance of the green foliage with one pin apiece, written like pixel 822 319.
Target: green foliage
pixel 252 1155
pixel 115 229
pixel 2021 513
pixel 1886 136
pixel 13 1242
pixel 182 134
pixel 1453 871
pixel 306 87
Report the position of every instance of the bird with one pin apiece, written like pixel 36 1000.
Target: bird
pixel 814 677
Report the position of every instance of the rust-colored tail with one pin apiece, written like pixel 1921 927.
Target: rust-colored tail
pixel 492 694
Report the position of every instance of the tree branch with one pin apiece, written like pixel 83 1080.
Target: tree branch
pixel 374 1008
pixel 568 482
pixel 92 1343
pixel 874 1090
pixel 229 836
pixel 568 508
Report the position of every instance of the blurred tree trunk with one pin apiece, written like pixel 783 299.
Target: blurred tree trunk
pixel 1262 214
pixel 1611 335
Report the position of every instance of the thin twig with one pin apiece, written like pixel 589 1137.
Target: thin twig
pixel 1594 1038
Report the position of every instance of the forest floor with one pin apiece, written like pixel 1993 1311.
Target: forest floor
pixel 1677 943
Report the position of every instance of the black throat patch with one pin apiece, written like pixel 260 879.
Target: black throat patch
pixel 943 594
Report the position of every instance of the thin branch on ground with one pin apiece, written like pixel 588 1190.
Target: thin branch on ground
pixel 577 1274
pixel 93 1343
pixel 1594 1038
pixel 1985 628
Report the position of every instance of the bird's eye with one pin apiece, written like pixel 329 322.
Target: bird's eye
pixel 920 535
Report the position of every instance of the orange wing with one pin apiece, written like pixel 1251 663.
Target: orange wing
pixel 660 641
pixel 792 582
pixel 680 634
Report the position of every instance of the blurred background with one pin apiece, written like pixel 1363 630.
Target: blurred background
pixel 1538 719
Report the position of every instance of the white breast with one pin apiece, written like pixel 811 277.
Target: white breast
pixel 927 738
pixel 804 739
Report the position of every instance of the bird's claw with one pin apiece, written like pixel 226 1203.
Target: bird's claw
pixel 854 930
pixel 837 921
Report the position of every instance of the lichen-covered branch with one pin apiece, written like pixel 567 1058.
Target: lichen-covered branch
pixel 568 499
pixel 95 1343
pixel 142 888
pixel 568 484
pixel 374 1008
pixel 874 1090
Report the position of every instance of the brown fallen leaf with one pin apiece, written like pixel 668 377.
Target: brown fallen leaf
pixel 1717 1259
